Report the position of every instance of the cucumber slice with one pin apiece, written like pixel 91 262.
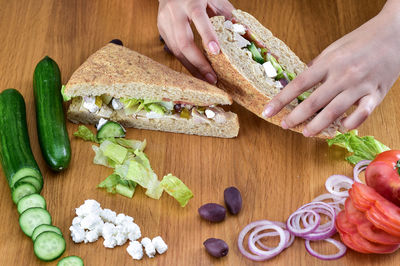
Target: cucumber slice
pixel 45 228
pixel 111 130
pixel 49 246
pixel 37 183
pixel 32 218
pixel 70 261
pixel 21 190
pixel 31 201
pixel 256 54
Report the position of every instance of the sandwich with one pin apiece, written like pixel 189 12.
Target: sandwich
pixel 254 66
pixel 118 84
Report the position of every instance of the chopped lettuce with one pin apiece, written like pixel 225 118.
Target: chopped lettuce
pixel 131 145
pixel 177 189
pixel 99 157
pixel 65 97
pixel 115 184
pixel 362 148
pixel 85 134
pixel 110 183
pixel 114 152
pixel 132 106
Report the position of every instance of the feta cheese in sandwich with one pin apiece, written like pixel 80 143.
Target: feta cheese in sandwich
pixel 209 113
pixel 270 70
pixel 241 42
pixel 101 123
pixel 89 102
pixel 116 104
pixel 239 28
pixel 152 115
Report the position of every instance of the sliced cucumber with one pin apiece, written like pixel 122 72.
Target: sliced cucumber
pixel 31 201
pixel 45 228
pixel 37 183
pixel 70 261
pixel 32 218
pixel 111 130
pixel 256 54
pixel 49 246
pixel 21 190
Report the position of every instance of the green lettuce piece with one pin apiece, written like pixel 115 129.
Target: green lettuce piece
pixel 177 189
pixel 110 183
pixel 65 97
pixel 114 152
pixel 131 144
pixel 115 184
pixel 85 134
pixel 362 148
pixel 126 191
pixel 99 157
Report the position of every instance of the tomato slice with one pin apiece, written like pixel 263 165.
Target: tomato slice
pixel 390 210
pixel 372 247
pixel 343 224
pixel 353 215
pixel 380 221
pixel 368 231
pixel 361 205
pixel 346 239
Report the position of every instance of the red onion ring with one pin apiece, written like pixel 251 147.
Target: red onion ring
pixel 281 246
pixel 290 237
pixel 335 183
pixel 358 168
pixel 342 250
pixel 293 223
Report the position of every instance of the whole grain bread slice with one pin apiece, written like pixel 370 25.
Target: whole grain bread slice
pixel 120 72
pixel 242 77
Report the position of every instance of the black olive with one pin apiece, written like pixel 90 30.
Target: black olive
pixel 117 41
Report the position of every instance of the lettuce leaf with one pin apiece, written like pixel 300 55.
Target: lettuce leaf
pixel 86 134
pixel 99 157
pixel 65 97
pixel 131 144
pixel 362 148
pixel 177 189
pixel 115 184
pixel 116 153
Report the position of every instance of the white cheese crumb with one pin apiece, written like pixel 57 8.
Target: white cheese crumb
pixel 209 113
pixel 148 247
pixel 159 244
pixel 90 222
pixel 135 249
pixel 270 70
pixel 120 237
pixel 239 28
pixel 241 42
pixel 278 84
pixel 77 221
pixel 77 234
pixel 108 215
pixel 109 231
pixel 101 123
pixel 89 207
pixel 109 243
pixel 91 236
pixel 134 232
pixel 89 102
pixel 116 104
pixel 152 115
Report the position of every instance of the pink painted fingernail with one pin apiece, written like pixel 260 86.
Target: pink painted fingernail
pixel 213 47
pixel 211 78
pixel 284 125
pixel 268 111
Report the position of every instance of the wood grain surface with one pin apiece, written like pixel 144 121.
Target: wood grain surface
pixel 276 170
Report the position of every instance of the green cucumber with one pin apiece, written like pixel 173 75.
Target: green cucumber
pixel 50 119
pixel 21 190
pixel 37 183
pixel 49 246
pixel 15 151
pixel 45 228
pixel 31 201
pixel 70 261
pixel 32 218
pixel 111 130
pixel 256 54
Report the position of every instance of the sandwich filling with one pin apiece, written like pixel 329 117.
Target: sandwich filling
pixel 275 74
pixel 106 106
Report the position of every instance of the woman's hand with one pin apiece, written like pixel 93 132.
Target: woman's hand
pixel 174 18
pixel 359 68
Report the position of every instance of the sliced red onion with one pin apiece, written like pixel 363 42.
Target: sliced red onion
pixel 290 237
pixel 358 168
pixel 342 250
pixel 335 183
pixel 272 252
pixel 293 223
pixel 286 77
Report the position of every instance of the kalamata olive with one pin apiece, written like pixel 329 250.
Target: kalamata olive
pixel 167 49
pixel 178 108
pixel 161 39
pixel 233 200
pixel 117 41
pixel 212 212
pixel 216 247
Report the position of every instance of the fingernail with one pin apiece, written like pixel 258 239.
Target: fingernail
pixel 213 47
pixel 306 133
pixel 211 78
pixel 284 125
pixel 268 111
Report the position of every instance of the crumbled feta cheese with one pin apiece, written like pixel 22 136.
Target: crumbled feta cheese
pixel 135 249
pixel 228 25
pixel 241 42
pixel 239 28
pixel 148 247
pixel 120 237
pixel 159 244
pixel 120 219
pixel 209 113
pixel 77 234
pixel 89 102
pixel 91 236
pixel 278 84
pixel 116 104
pixel 270 70
pixel 99 227
pixel 109 242
pixel 90 222
pixel 105 112
pixel 133 231
pixel 89 207
pixel 152 115
pixel 77 221
pixel 109 230
pixel 108 215
pixel 101 123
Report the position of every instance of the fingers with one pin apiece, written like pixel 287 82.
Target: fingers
pixel 222 7
pixel 330 113
pixel 315 102
pixel 365 107
pixel 301 83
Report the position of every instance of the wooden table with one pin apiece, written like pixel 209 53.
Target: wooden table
pixel 276 170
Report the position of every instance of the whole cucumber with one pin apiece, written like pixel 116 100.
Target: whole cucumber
pixel 50 119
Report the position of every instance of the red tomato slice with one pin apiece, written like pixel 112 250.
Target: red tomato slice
pixel 372 247
pixel 361 205
pixel 381 222
pixel 390 210
pixel 346 239
pixel 368 231
pixel 353 215
pixel 366 193
pixel 343 224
